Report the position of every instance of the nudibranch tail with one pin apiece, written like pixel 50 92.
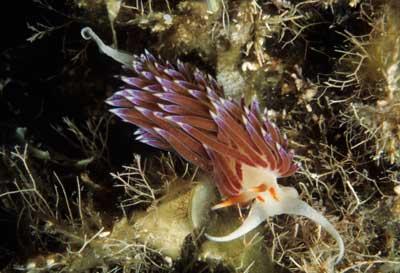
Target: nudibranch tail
pixel 179 108
pixel 296 206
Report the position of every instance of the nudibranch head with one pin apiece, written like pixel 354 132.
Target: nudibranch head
pixel 178 108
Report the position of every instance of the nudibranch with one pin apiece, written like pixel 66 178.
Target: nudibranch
pixel 178 108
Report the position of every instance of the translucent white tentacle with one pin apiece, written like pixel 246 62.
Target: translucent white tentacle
pixel 256 216
pixel 298 207
pixel 289 205
pixel 121 57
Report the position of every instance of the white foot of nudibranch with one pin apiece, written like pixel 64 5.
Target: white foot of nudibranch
pixel 287 204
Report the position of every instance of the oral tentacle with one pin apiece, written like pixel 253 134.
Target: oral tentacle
pixel 296 206
pixel 260 211
pixel 255 218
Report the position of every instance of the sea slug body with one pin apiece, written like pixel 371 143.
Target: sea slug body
pixel 178 108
